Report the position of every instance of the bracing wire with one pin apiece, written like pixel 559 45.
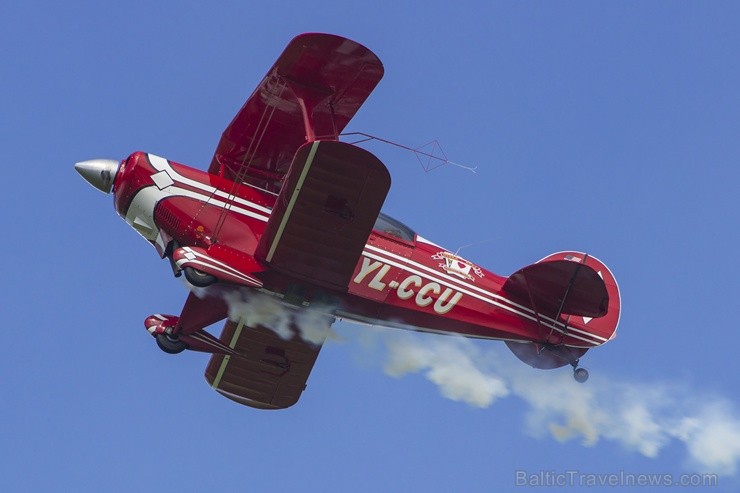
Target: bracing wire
pixel 418 151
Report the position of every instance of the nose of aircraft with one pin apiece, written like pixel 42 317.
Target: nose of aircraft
pixel 99 173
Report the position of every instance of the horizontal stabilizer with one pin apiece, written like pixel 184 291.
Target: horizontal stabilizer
pixel 575 289
pixel 560 286
pixel 544 357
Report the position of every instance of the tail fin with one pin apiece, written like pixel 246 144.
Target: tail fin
pixel 574 294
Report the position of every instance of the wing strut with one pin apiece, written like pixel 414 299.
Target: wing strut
pixel 246 163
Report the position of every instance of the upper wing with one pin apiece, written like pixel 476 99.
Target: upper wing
pixel 315 87
pixel 268 373
pixel 325 213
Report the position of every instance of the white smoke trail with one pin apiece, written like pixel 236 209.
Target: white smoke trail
pixel 641 417
pixel 255 308
pixel 447 363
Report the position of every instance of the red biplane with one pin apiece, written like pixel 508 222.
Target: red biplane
pixel 289 212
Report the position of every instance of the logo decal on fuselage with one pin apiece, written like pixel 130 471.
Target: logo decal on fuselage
pixel 458 266
pixel 411 287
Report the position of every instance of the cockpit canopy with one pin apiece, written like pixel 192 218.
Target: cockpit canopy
pixel 393 227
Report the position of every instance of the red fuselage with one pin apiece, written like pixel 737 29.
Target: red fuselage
pixel 401 280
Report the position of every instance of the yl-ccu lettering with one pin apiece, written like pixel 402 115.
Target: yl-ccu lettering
pixel 412 287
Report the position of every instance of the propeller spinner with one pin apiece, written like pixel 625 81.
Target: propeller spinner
pixel 99 173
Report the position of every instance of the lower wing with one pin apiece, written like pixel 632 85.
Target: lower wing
pixel 267 372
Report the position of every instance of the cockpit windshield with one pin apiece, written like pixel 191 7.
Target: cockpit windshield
pixel 388 225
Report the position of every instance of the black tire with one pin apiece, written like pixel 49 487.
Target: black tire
pixel 198 278
pixel 580 374
pixel 170 344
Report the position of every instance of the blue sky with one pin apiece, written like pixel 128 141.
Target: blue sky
pixel 606 127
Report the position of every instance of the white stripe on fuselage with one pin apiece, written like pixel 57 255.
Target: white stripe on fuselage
pixel 184 192
pixel 161 164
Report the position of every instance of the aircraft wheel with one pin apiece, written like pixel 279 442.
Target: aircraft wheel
pixel 580 375
pixel 198 278
pixel 170 344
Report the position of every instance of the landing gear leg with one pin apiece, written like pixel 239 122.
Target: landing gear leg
pixel 171 247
